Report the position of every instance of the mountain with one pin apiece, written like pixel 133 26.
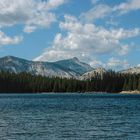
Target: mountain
pixel 75 65
pixel 135 70
pixel 91 74
pixel 70 68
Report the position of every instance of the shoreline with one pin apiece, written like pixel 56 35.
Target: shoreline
pixel 93 92
pixel 130 92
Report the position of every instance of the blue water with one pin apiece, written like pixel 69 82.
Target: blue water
pixel 69 117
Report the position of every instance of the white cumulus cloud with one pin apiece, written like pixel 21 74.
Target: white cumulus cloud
pixel 31 13
pixel 85 40
pixel 6 40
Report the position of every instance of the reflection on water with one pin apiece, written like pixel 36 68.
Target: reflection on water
pixel 71 116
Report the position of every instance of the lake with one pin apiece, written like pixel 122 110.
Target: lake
pixel 69 117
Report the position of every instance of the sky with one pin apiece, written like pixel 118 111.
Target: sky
pixel 102 33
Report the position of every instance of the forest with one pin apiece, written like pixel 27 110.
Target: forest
pixel 108 82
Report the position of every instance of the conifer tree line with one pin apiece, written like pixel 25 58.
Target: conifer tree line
pixel 108 82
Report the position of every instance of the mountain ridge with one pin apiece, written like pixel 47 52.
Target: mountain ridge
pixel 67 68
pixel 134 70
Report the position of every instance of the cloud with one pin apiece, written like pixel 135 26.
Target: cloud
pixel 29 29
pixel 96 63
pixel 114 63
pixel 94 1
pixel 81 37
pixel 86 40
pixel 31 13
pixel 138 65
pixel 112 22
pixel 97 12
pixel 6 40
pixel 53 4
pixel 129 5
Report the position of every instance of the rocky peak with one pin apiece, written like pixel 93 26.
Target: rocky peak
pixel 75 59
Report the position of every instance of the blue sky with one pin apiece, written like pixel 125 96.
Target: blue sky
pixel 103 33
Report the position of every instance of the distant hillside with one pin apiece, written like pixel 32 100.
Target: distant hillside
pixel 93 73
pixel 135 70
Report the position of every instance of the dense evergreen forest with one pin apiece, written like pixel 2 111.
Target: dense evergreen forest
pixel 27 83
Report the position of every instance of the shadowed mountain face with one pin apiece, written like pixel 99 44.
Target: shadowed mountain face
pixel 70 68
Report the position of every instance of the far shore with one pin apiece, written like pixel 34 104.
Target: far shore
pixel 100 92
pixel 93 92
pixel 130 92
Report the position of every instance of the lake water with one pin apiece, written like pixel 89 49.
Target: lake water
pixel 69 117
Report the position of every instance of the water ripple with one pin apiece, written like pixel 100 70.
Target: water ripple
pixel 69 117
